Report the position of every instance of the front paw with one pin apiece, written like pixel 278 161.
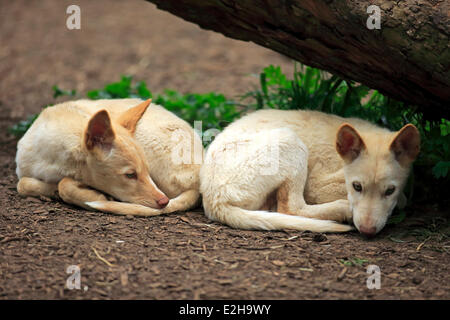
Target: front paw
pixel 169 208
pixel 346 211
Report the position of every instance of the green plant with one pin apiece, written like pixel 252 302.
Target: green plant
pixel 355 261
pixel 213 109
pixel 58 92
pixel 22 126
pixel 396 219
pixel 121 89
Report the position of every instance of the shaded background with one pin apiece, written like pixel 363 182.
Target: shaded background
pixel 116 37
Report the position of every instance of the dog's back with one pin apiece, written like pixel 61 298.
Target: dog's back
pixel 49 149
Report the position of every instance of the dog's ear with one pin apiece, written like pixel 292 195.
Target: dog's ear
pixel 99 133
pixel 349 143
pixel 406 145
pixel 130 118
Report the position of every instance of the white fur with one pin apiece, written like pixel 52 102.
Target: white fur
pixel 235 183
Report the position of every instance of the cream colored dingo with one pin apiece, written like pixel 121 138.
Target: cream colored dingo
pixel 122 148
pixel 287 161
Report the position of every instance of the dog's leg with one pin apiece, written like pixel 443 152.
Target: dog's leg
pixel 35 188
pixel 74 192
pixel 183 202
pixel 290 200
pixel 271 202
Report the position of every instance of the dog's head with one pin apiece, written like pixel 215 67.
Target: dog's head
pixel 376 168
pixel 116 164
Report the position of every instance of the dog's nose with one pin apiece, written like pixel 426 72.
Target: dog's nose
pixel 163 202
pixel 369 232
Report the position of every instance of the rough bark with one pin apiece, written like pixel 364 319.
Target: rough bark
pixel 407 59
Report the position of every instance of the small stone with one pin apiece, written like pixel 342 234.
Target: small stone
pixel 414 9
pixel 417 280
pixel 342 274
pixel 278 263
pixel 319 237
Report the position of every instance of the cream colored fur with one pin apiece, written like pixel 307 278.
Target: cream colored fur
pixel 54 155
pixel 245 177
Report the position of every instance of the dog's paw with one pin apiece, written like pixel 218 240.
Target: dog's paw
pixel 169 208
pixel 346 212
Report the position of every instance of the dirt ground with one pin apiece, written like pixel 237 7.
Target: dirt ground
pixel 178 256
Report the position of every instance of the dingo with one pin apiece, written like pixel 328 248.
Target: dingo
pixel 310 188
pixel 119 147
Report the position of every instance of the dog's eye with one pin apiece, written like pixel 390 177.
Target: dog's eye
pixel 357 186
pixel 389 191
pixel 132 175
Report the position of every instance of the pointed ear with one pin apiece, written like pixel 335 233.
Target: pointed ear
pixel 406 144
pixel 99 132
pixel 349 143
pixel 130 118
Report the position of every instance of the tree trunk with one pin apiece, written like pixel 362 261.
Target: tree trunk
pixel 408 58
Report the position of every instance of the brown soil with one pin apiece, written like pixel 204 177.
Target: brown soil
pixel 178 256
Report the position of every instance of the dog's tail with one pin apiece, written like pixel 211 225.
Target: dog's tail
pixel 185 201
pixel 264 220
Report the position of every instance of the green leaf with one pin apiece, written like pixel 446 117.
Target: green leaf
pixel 57 92
pixel 142 90
pixel 441 169
pixel 396 219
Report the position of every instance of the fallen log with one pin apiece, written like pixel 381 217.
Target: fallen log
pixel 407 58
